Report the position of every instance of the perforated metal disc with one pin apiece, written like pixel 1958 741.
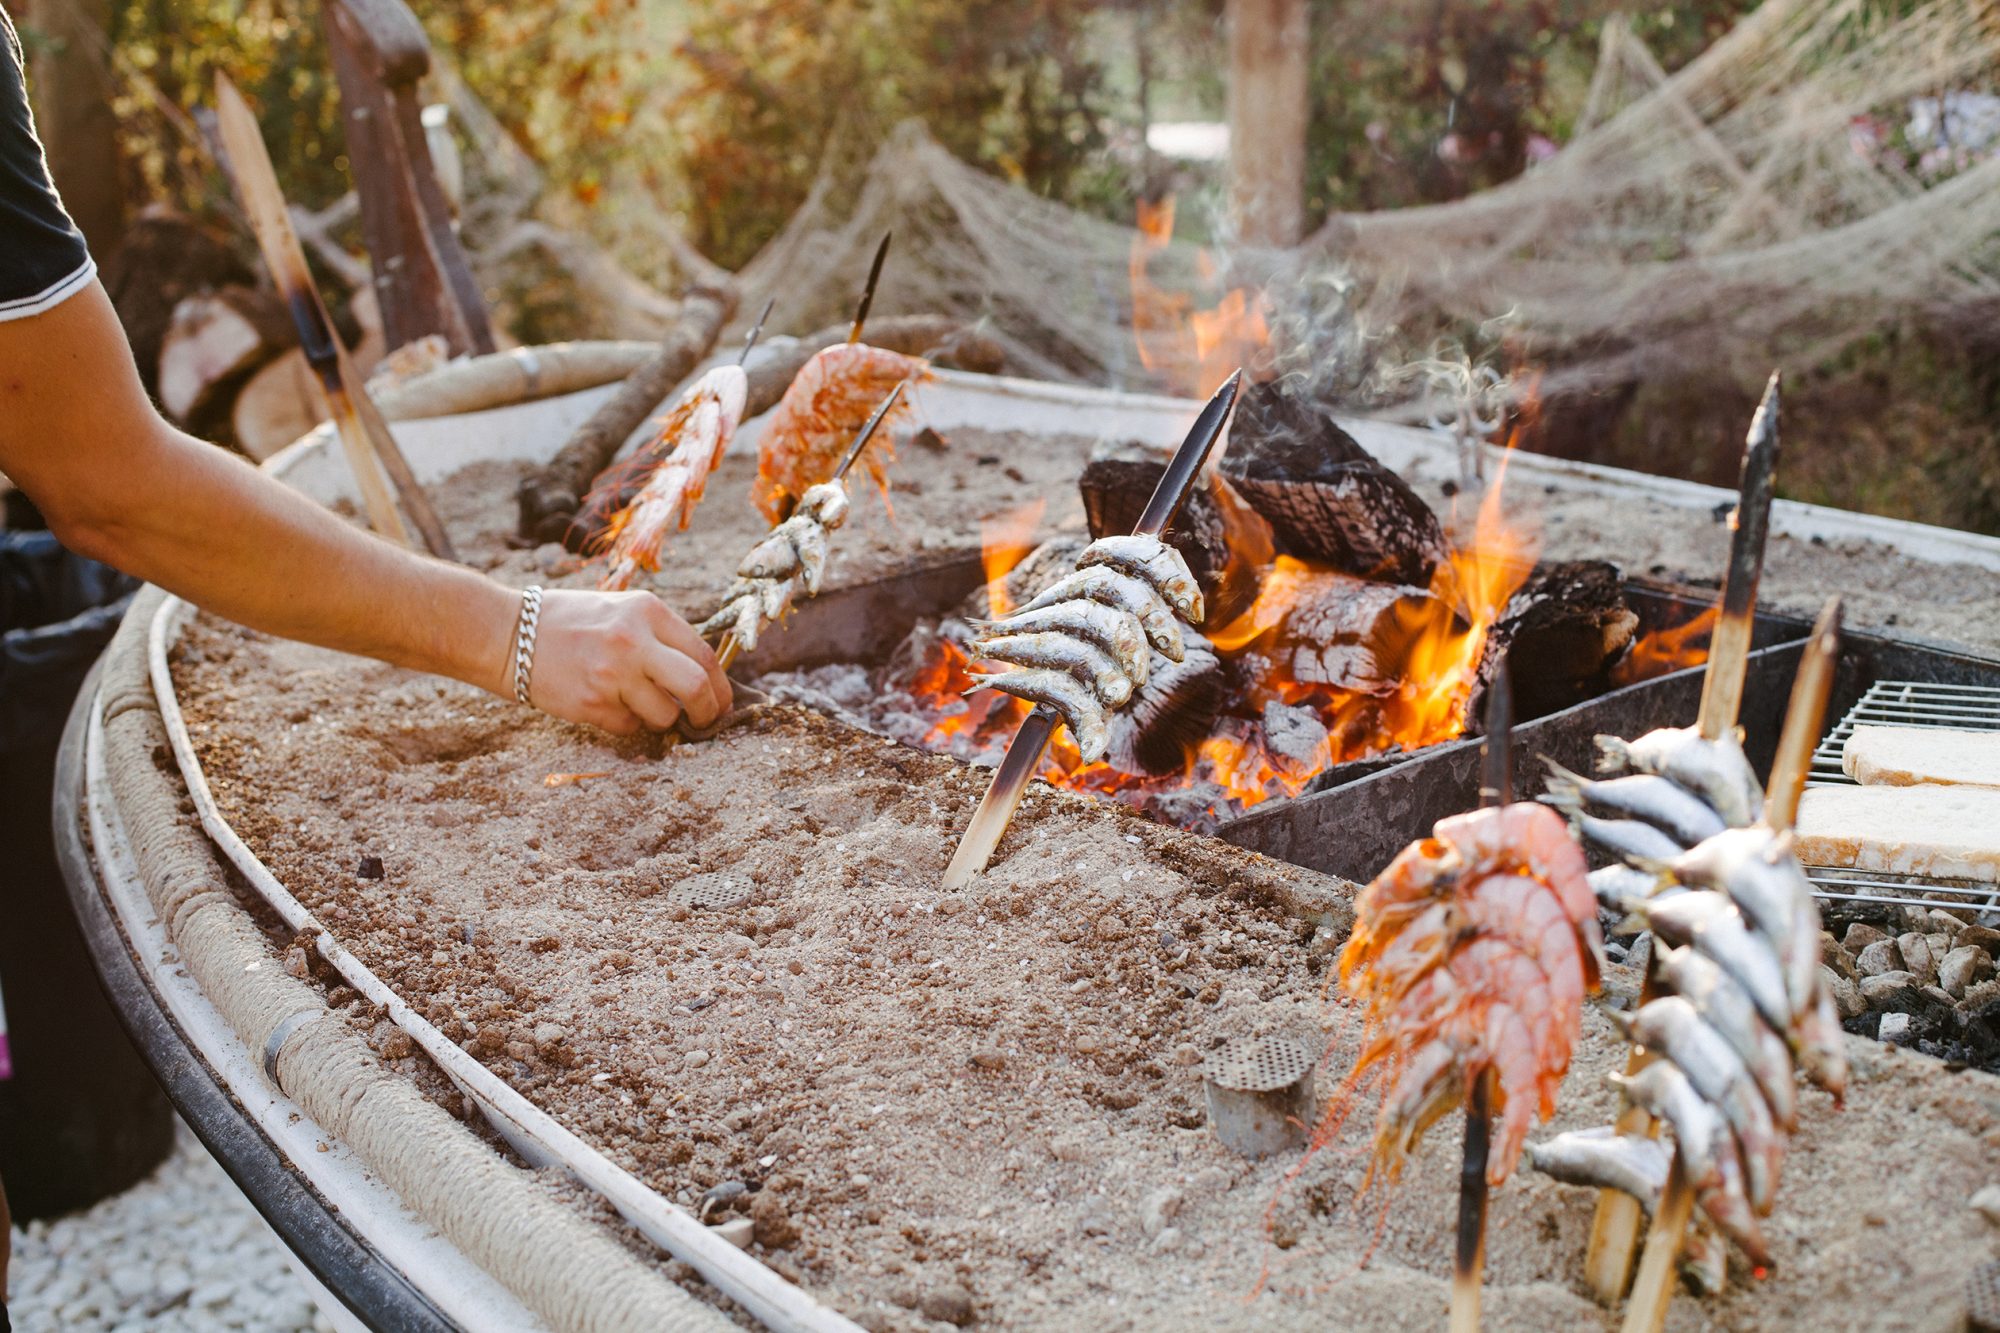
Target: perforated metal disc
pixel 712 890
pixel 1258 1064
pixel 1982 1297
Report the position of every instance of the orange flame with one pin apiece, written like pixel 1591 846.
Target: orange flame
pixel 1004 542
pixel 1663 650
pixel 1192 350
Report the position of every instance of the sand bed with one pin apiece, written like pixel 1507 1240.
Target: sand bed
pixel 978 1107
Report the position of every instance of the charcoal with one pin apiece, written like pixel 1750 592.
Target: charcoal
pixel 1326 498
pixel 1562 632
pixel 1117 483
pixel 1351 634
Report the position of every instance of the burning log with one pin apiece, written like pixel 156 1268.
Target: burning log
pixel 1171 714
pixel 1326 498
pixel 1563 631
pixel 1349 633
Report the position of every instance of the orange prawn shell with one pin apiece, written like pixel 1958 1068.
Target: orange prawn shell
pixel 812 426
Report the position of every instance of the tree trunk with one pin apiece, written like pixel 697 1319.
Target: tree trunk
pixel 1267 120
pixel 72 94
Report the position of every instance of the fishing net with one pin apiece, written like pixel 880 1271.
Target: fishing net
pixel 1787 192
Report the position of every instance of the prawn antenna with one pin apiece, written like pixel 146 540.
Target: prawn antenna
pixel 868 292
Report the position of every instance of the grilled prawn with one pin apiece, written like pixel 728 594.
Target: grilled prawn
pixel 813 424
pixel 692 438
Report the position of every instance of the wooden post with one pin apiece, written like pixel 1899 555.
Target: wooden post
pixel 1267 120
pixel 421 275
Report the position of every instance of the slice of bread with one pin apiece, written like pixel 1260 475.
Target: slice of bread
pixel 1907 756
pixel 1932 831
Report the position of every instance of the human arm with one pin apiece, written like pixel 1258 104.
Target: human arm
pixel 119 484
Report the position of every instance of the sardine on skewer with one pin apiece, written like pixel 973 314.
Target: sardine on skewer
pixel 1726 1007
pixel 825 504
pixel 1707 1148
pixel 1148 558
pixel 796 546
pixel 1756 868
pixel 1603 1158
pixel 1067 695
pixel 1633 839
pixel 1619 885
pixel 1050 650
pixel 1671 1026
pixel 1822 1044
pixel 1117 632
pixel 1704 1258
pixel 1716 769
pixel 1711 923
pixel 1661 802
pixel 1116 588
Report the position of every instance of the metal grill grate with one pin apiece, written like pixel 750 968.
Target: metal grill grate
pixel 1903 703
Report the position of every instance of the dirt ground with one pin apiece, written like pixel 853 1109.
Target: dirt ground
pixel 983 1107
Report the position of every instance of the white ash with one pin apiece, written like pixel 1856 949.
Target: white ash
pixel 182 1250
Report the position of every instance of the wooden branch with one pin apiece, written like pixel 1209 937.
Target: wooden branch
pixel 548 498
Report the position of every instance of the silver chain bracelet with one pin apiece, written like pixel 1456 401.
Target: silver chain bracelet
pixel 524 640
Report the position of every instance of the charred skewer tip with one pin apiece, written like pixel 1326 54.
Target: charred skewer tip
pixel 1805 716
pixel 1729 643
pixel 868 292
pixel 1469 1261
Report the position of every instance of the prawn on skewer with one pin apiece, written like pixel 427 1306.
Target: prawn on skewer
pixel 692 438
pixel 813 424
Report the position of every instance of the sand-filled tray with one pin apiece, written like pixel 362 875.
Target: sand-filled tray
pixel 729 967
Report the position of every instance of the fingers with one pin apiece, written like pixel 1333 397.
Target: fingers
pixel 683 679
pixel 678 635
pixel 652 706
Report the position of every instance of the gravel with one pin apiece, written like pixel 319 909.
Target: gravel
pixel 181 1250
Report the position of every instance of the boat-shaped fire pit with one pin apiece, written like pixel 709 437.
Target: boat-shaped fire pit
pixel 505 1024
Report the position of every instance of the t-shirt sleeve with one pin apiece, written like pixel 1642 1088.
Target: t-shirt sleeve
pixel 43 259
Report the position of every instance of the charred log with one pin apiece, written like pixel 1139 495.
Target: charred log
pixel 1561 633
pixel 1326 498
pixel 1351 634
pixel 1169 717
pixel 1120 479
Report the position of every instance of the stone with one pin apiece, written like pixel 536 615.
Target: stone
pixel 738 1231
pixel 1640 956
pixel 1095 1219
pixel 1917 959
pixel 721 1197
pixel 1878 988
pixel 1860 935
pixel 1940 995
pixel 1157 1209
pixel 1985 937
pixel 988 1057
pixel 1940 944
pixel 949 1304
pixel 1987 1204
pixel 1168 1240
pixel 772 1223
pixel 1945 923
pixel 1898 1029
pixel 1880 957
pixel 1964 967
pixel 1846 995
pixel 1835 957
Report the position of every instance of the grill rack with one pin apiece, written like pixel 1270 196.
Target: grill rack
pixel 1903 703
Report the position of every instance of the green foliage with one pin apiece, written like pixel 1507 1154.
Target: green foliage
pixel 778 84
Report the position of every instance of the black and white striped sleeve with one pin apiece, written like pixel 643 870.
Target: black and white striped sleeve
pixel 43 259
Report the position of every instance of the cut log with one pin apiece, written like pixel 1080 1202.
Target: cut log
pixel 1351 634
pixel 276 406
pixel 549 497
pixel 213 342
pixel 1169 716
pixel 1120 479
pixel 1561 634
pixel 1326 498
pixel 166 257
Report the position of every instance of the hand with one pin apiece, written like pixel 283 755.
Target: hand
pixel 623 661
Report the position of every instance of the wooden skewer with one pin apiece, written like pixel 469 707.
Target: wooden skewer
pixel 750 338
pixel 1750 524
pixel 1614 1231
pixel 868 292
pixel 370 447
pixel 1653 1290
pixel 1024 752
pixel 1496 788
pixel 1804 718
